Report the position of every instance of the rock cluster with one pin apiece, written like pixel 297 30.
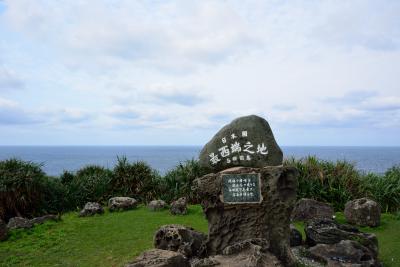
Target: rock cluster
pixel 363 212
pixel 122 203
pixel 179 207
pixel 337 244
pixel 156 205
pixel 90 209
pixel 307 209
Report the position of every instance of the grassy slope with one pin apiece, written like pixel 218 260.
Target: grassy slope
pixel 114 239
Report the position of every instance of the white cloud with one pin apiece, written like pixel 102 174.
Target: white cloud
pixel 9 80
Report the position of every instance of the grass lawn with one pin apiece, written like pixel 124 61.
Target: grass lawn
pixel 113 239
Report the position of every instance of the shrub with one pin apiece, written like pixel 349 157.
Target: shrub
pixel 135 179
pixel 332 182
pixel 385 189
pixel 22 188
pixel 54 196
pixel 178 182
pixel 91 183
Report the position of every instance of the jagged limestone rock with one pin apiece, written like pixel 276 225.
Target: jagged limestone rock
pixel 179 207
pixel 19 222
pixel 156 205
pixel 344 253
pixel 122 203
pixel 363 212
pixel 307 209
pixel 159 258
pixel 180 238
pixel 90 209
pixel 251 253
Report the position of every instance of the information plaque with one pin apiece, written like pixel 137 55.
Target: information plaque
pixel 241 188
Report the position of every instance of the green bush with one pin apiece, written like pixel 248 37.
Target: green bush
pixel 53 197
pixel 385 189
pixel 178 182
pixel 26 191
pixel 332 182
pixel 135 179
pixel 91 183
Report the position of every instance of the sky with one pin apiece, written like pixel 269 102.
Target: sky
pixel 105 72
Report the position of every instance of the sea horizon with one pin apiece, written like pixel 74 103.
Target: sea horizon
pixel 56 159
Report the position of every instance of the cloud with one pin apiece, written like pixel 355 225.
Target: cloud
pixel 382 103
pixel 367 24
pixel 9 80
pixel 179 66
pixel 169 36
pixel 158 93
pixel 355 109
pixel 351 97
pixel 12 114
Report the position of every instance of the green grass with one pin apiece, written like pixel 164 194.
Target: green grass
pixel 113 239
pixel 388 234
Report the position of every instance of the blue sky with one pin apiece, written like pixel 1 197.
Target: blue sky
pixel 108 72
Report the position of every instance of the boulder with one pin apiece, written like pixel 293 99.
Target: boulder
pixel 159 258
pixel 19 222
pixel 122 203
pixel 246 141
pixel 326 231
pixel 184 240
pixel 155 205
pixel 363 212
pixel 307 209
pixel 251 253
pixel 295 237
pixel 45 218
pixel 344 253
pixel 90 209
pixel 3 230
pixel 179 206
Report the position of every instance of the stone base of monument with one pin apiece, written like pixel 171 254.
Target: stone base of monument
pixel 244 203
pixel 252 252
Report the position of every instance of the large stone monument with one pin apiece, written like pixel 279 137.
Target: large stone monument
pixel 246 141
pixel 248 194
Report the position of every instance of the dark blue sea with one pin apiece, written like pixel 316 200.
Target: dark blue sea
pixel 55 159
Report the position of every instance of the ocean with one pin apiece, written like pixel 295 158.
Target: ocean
pixel 56 159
